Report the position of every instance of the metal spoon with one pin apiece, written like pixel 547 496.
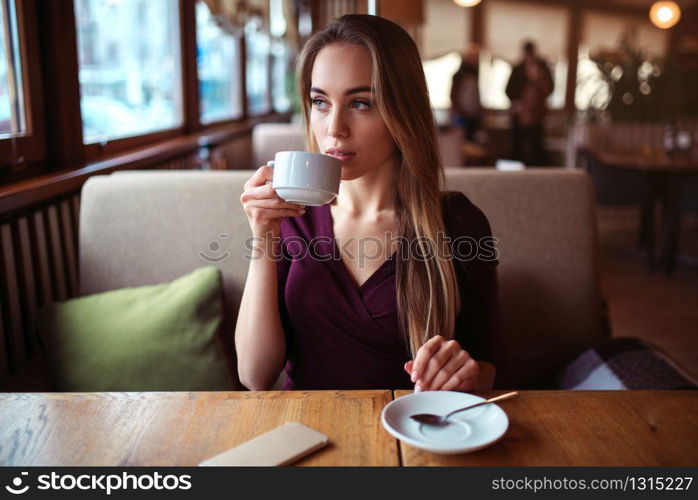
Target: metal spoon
pixel 431 419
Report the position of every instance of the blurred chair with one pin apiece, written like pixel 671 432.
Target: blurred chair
pixel 549 288
pixel 687 203
pixel 689 193
pixel 475 154
pixel 450 143
pixel 615 186
pixel 270 138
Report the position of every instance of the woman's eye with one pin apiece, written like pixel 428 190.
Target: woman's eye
pixel 361 105
pixel 317 103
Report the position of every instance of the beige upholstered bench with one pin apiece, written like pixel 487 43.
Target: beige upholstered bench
pixel 149 227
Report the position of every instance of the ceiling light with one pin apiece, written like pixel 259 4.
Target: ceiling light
pixel 665 14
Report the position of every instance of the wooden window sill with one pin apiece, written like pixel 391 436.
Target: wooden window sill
pixel 43 187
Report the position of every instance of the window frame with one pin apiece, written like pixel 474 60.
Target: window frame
pixel 97 151
pixel 190 96
pixel 270 61
pixel 47 34
pixel 31 145
pixel 241 50
pixel 68 150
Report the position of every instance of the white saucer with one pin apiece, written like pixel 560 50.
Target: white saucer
pixel 467 431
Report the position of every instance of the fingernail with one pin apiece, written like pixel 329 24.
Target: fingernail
pixel 414 376
pixel 301 211
pixel 417 388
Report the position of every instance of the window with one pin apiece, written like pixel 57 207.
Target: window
pixel 495 73
pixel 439 74
pixel 591 89
pixel 257 70
pixel 12 119
pixel 601 33
pixel 218 62
pixel 117 75
pixel 128 53
pixel 281 72
pixel 494 76
pixel 507 25
pixel 435 41
pixel 282 76
pixel 21 129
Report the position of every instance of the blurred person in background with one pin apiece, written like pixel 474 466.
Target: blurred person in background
pixel 465 94
pixel 529 86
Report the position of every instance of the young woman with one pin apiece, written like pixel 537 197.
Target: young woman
pixel 368 292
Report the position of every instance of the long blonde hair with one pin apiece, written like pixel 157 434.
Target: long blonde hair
pixel 427 290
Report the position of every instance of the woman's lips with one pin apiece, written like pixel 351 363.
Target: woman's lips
pixel 340 154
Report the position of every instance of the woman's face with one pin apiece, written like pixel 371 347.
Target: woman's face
pixel 343 118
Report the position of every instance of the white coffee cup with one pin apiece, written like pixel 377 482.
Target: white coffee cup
pixel 306 178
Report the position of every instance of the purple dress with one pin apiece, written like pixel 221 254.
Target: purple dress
pixel 342 336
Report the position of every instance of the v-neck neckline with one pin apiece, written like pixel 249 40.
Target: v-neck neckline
pixel 378 273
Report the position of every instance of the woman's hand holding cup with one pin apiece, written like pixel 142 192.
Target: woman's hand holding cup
pixel 263 207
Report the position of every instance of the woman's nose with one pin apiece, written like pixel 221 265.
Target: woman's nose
pixel 337 126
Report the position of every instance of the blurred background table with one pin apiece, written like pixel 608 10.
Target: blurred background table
pixel 184 428
pixel 671 181
pixel 585 428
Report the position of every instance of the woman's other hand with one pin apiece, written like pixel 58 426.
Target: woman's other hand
pixel 263 207
pixel 441 365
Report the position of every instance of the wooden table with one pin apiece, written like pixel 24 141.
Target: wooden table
pixel 157 429
pixel 586 428
pixel 651 162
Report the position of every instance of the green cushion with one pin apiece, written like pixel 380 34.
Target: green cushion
pixel 147 338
